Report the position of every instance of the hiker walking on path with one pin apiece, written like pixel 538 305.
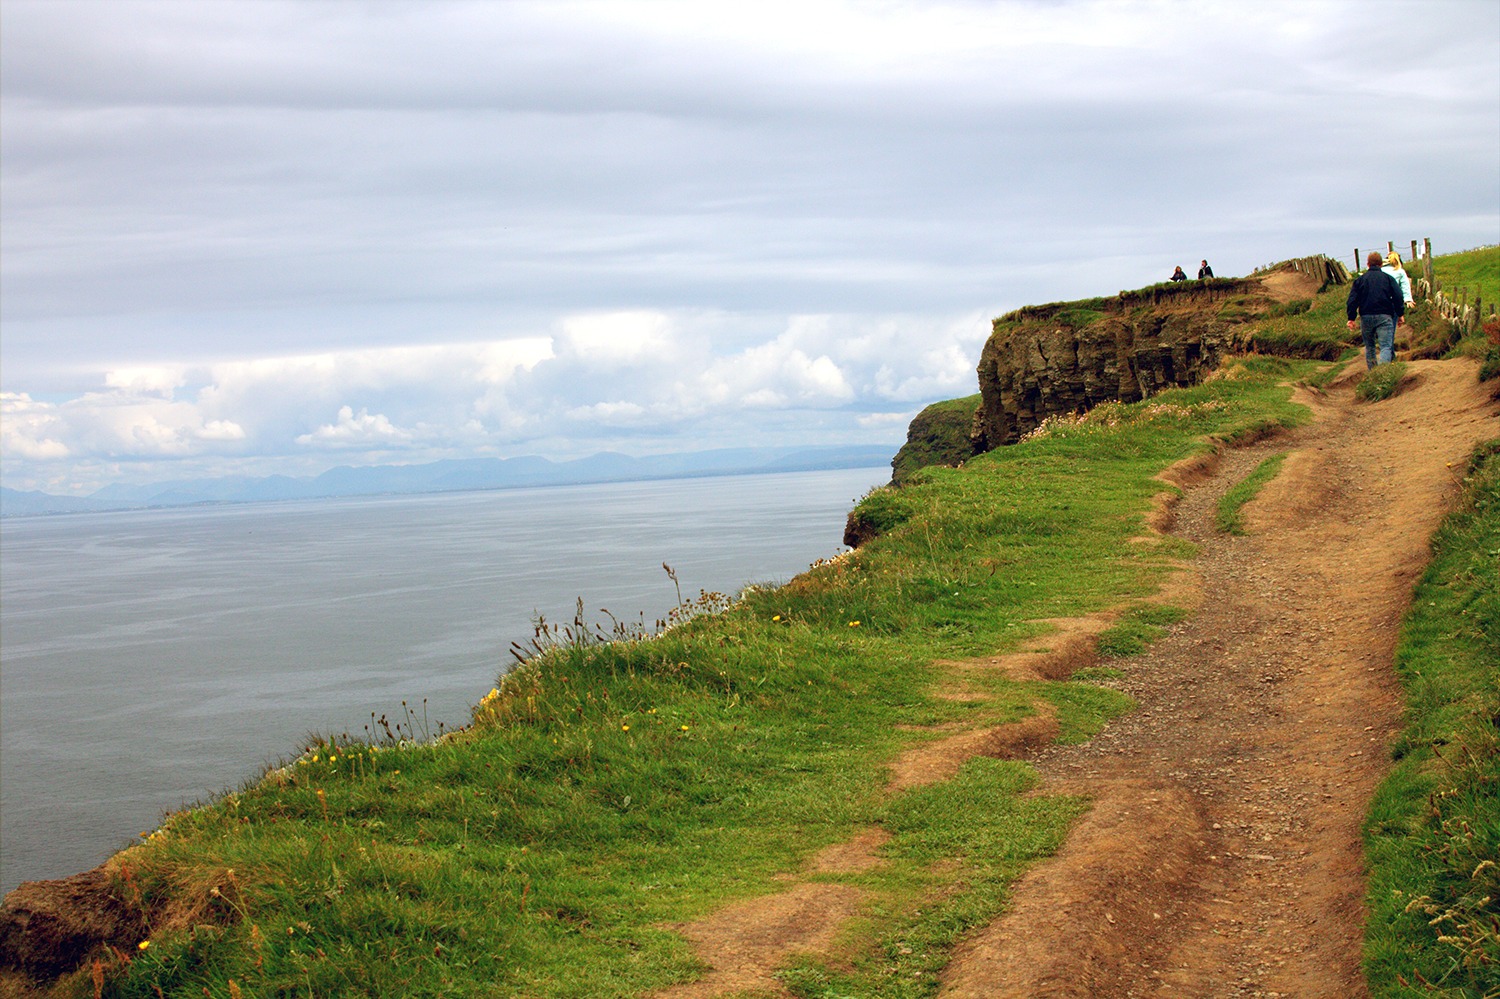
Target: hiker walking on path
pixel 1394 269
pixel 1205 271
pixel 1376 297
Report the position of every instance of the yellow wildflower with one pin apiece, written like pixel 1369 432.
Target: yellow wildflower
pixel 143 945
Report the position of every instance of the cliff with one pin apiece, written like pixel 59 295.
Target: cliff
pixel 1054 360
pixel 1067 357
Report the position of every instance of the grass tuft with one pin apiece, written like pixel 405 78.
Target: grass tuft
pixel 1381 382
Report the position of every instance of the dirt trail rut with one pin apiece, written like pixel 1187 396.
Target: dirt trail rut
pixel 1222 855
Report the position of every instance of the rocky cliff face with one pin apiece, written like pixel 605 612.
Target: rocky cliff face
pixel 1052 360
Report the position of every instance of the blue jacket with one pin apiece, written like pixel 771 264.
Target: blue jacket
pixel 1375 293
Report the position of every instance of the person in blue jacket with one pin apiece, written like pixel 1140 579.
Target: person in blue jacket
pixel 1375 297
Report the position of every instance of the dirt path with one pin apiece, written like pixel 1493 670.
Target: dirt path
pixel 1222 855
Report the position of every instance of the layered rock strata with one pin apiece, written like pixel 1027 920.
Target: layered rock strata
pixel 1056 360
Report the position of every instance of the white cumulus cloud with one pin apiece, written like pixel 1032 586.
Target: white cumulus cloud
pixel 356 429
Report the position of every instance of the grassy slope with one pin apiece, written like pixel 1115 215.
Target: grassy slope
pixel 1477 270
pixel 1433 832
pixel 607 790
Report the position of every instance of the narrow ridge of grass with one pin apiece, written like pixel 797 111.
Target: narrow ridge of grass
pixel 1227 515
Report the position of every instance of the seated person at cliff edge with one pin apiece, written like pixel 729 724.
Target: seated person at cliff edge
pixel 1205 271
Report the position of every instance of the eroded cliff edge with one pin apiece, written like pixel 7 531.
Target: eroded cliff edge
pixel 1067 357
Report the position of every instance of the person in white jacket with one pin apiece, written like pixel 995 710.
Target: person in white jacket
pixel 1394 269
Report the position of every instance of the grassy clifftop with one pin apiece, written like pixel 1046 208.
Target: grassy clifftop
pixel 608 791
pixel 1236 314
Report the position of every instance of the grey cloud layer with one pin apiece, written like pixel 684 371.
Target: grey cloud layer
pixel 191 187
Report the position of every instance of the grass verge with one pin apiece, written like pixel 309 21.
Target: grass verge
pixel 1433 831
pixel 1316 330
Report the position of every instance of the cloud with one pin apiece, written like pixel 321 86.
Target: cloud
pixel 655 378
pixel 559 225
pixel 27 428
pixel 118 423
pixel 161 381
pixel 616 338
pixel 363 430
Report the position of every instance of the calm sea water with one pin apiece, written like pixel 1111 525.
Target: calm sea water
pixel 152 659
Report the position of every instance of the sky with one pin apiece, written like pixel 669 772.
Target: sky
pixel 246 238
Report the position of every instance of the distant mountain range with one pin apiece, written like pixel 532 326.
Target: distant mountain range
pixel 451 476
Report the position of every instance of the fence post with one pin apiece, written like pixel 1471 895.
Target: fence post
pixel 1413 257
pixel 1356 258
pixel 1427 260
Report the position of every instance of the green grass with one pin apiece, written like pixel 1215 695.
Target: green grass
pixel 1477 270
pixel 1433 831
pixel 607 790
pixel 939 435
pixel 1227 515
pixel 1305 328
pixel 1467 274
pixel 1137 629
pixel 1381 382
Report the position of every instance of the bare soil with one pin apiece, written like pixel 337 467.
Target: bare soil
pixel 1222 855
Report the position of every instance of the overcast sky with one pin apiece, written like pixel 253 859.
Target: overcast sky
pixel 256 237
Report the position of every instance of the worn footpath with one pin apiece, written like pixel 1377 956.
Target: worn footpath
pixel 1222 854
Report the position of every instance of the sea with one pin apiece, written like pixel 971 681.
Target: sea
pixel 153 659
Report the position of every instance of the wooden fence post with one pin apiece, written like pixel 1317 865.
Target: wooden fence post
pixel 1356 258
pixel 1413 253
pixel 1427 260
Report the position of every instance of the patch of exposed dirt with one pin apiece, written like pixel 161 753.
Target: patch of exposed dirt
pixel 1222 855
pixel 744 944
pixel 1288 285
pixel 939 760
